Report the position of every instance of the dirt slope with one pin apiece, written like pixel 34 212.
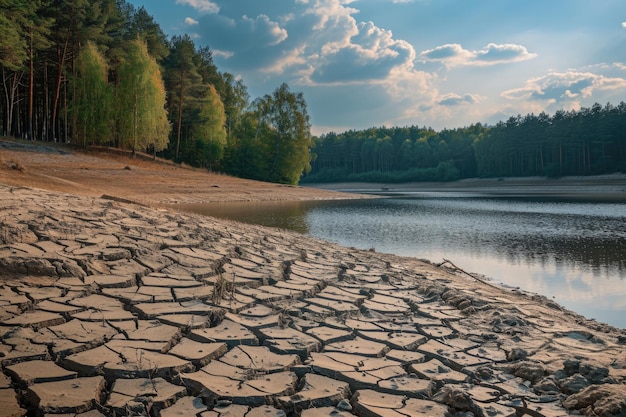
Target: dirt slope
pixel 108 172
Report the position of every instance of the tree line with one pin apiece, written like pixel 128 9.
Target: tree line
pixel 102 72
pixel 589 141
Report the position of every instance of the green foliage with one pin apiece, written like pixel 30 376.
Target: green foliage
pixel 13 45
pixel 286 136
pixel 69 67
pixel 183 82
pixel 209 133
pixel 142 119
pixel 246 154
pixel 584 142
pixel 93 103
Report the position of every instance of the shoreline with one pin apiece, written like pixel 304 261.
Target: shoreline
pixel 113 295
pixel 606 187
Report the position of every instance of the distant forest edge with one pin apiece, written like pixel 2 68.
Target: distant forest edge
pixel 589 141
pixel 102 72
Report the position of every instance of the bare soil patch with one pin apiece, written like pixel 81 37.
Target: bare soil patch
pixel 139 179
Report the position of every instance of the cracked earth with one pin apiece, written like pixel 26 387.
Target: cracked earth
pixel 112 309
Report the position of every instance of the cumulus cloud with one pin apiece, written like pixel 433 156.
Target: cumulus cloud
pixel 456 100
pixel 190 21
pixel 624 24
pixel 204 6
pixel 454 55
pixel 312 42
pixel 563 87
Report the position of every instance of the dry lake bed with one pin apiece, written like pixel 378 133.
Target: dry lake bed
pixel 108 308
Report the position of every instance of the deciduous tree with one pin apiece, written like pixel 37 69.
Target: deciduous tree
pixel 142 118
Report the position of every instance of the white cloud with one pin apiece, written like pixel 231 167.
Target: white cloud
pixel 453 99
pixel 454 55
pixel 263 23
pixel 204 6
pixel 624 24
pixel 190 21
pixel 313 43
pixel 564 87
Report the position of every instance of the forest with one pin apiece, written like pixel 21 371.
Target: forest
pixel 103 73
pixel 589 141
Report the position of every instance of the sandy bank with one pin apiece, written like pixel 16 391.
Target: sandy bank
pixel 65 169
pixel 611 187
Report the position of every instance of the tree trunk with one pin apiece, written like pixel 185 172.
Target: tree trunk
pixel 180 111
pixel 31 83
pixel 57 95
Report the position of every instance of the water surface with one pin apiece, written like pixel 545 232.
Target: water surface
pixel 568 249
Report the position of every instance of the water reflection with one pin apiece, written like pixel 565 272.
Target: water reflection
pixel 290 215
pixel 574 251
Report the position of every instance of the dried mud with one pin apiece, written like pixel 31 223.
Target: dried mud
pixel 112 308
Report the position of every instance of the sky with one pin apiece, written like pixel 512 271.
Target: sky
pixel 432 63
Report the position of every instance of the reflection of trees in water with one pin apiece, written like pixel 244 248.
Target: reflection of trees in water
pixel 498 229
pixel 597 255
pixel 289 215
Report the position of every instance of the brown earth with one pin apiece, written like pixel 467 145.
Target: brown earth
pixel 140 179
pixel 109 309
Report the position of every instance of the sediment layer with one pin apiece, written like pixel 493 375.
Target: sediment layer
pixel 108 308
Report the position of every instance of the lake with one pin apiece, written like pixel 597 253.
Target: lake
pixel 572 250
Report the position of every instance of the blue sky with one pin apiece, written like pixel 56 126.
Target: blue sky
pixel 437 63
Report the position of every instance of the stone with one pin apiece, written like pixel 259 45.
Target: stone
pixel 455 397
pixel 573 384
pixel 527 370
pixel 601 400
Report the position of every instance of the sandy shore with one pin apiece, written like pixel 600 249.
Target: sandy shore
pixel 135 310
pixel 107 172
